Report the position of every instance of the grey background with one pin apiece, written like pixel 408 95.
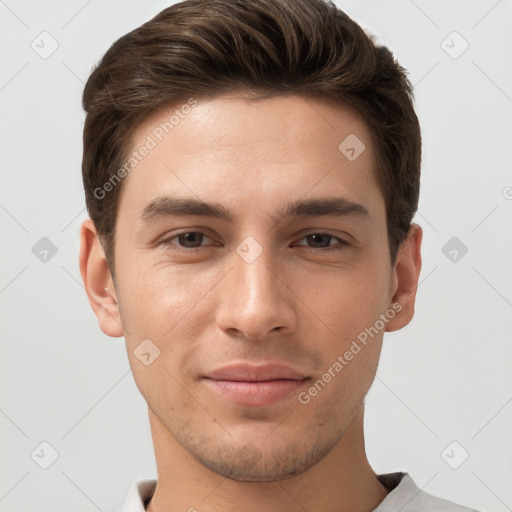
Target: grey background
pixel 445 377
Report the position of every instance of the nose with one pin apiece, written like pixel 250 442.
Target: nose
pixel 255 297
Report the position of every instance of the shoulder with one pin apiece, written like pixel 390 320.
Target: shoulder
pixel 406 496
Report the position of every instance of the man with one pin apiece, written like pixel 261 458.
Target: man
pixel 251 169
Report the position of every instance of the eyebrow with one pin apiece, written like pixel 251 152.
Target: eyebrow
pixel 165 206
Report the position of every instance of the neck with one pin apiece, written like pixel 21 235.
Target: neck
pixel 342 480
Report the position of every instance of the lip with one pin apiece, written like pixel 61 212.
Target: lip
pixel 255 373
pixel 246 384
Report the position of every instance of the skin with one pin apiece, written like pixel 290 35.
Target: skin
pixel 297 303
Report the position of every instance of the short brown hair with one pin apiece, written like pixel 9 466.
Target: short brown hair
pixel 203 48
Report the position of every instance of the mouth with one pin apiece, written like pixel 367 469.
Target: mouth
pixel 250 385
pixel 258 393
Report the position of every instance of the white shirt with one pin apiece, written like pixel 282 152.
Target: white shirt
pixel 405 496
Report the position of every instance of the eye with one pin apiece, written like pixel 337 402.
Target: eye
pixel 324 239
pixel 190 240
pixel 187 240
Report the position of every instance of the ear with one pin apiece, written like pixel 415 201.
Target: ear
pixel 406 273
pixel 98 281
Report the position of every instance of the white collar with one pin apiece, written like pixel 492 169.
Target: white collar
pixel 404 496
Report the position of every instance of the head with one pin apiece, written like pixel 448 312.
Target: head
pixel 300 132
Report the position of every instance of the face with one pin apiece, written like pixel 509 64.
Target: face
pixel 291 273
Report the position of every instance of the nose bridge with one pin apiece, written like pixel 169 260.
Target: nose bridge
pixel 255 273
pixel 254 300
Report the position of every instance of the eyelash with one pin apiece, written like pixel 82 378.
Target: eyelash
pixel 343 243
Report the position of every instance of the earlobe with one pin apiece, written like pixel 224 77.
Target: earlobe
pixel 98 281
pixel 406 274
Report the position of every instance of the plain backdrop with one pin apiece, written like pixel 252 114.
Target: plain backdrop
pixel 443 392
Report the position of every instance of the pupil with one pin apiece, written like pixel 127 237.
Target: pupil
pixel 320 236
pixel 189 237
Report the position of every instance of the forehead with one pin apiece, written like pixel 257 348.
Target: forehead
pixel 237 149
pixel 233 119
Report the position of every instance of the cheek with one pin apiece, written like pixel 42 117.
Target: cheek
pixel 161 299
pixel 158 384
pixel 349 308
pixel 347 301
pixel 347 375
pixel 159 309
